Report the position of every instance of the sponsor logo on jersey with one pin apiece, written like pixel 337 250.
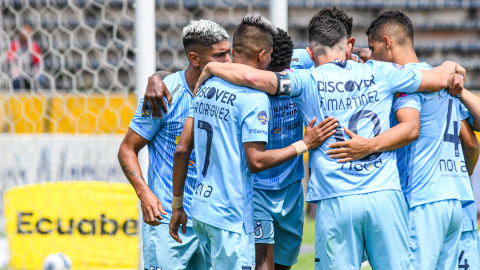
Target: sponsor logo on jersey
pixel 263 118
pixel 176 89
pixel 295 59
pixel 451 165
pixel 146 113
pixel 398 66
pixel 254 130
pixel 191 163
pixel 258 231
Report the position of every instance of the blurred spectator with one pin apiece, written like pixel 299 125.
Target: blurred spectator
pixel 23 58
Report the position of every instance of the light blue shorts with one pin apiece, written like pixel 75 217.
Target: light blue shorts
pixel 468 257
pixel 161 252
pixel 434 234
pixel 347 225
pixel 227 250
pixel 279 216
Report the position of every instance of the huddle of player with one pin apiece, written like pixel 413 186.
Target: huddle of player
pixel 389 172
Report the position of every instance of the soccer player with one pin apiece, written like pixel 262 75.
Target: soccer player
pixel 228 126
pixel 361 203
pixel 204 41
pixel 435 191
pixel 468 252
pixel 278 192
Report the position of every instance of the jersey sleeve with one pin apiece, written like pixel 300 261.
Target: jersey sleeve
pixel 465 114
pixel 144 124
pixel 400 78
pixel 298 81
pixel 413 101
pixel 254 117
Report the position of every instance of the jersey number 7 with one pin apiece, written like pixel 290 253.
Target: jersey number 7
pixel 208 128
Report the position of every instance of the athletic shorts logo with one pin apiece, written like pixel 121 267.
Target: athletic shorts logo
pixel 146 113
pixel 398 66
pixel 258 231
pixel 263 118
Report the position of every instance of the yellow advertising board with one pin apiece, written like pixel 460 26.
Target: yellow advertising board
pixel 94 223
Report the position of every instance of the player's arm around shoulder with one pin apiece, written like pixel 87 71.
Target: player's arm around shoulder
pixel 241 75
pixel 180 169
pixel 441 77
pixel 155 93
pixel 472 103
pixel 470 145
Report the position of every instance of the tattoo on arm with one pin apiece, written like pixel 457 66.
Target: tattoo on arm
pixel 132 173
pixel 273 83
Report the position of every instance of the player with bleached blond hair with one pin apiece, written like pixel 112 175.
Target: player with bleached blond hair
pixel 204 41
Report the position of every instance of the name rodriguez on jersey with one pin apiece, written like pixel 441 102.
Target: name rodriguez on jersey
pixel 217 111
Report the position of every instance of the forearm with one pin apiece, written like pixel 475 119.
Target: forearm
pixel 394 138
pixel 131 168
pixel 162 74
pixel 471 158
pixel 438 78
pixel 244 75
pixel 472 103
pixel 271 158
pixel 180 170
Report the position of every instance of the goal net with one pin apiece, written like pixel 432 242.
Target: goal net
pixel 67 79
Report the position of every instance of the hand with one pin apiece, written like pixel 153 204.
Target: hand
pixel 365 54
pixel 356 148
pixel 354 58
pixel 203 78
pixel 456 87
pixel 460 70
pixel 151 208
pixel 156 90
pixel 178 217
pixel 316 136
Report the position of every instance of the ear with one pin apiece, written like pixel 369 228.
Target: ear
pixel 350 46
pixel 194 58
pixel 261 56
pixel 388 42
pixel 310 53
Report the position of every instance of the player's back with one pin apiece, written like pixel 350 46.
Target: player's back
pixel 360 97
pixel 226 116
pixel 434 167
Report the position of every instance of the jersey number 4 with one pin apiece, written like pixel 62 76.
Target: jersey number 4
pixel 208 128
pixel 465 264
pixel 453 138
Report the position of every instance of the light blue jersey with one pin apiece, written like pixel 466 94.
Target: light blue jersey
pixel 360 97
pixel 436 168
pixel 285 127
pixel 163 135
pixel 226 116
pixel 301 59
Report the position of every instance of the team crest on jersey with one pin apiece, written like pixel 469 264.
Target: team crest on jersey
pixel 262 117
pixel 258 231
pixel 146 113
pixel 398 66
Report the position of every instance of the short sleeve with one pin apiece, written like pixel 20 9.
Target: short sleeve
pixel 464 113
pixel 191 109
pixel 254 117
pixel 400 78
pixel 413 101
pixel 144 124
pixel 299 80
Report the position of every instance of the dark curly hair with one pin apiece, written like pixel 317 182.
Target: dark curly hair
pixel 334 14
pixel 282 49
